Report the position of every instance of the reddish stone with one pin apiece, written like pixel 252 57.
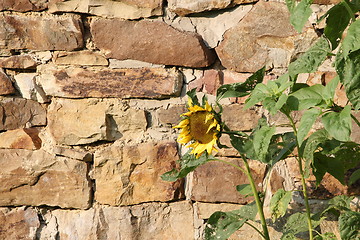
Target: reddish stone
pixel 18 61
pixel 40 32
pixel 23 5
pixel 6 86
pixel 27 138
pixel 209 83
pixel 148 41
pixel 239 119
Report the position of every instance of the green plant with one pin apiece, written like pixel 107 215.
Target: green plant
pixel 327 150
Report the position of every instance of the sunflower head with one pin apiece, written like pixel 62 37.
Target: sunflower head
pixel 200 128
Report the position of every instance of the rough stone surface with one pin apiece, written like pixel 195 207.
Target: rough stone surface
pixel 150 41
pixel 25 138
pixel 184 7
pixel 131 174
pixel 82 121
pixel 209 83
pixel 122 83
pixel 211 185
pixel 18 113
pixel 18 223
pixel 40 32
pixel 160 221
pixel 239 119
pixel 355 134
pixel 86 57
pixel 171 115
pixel 18 61
pixel 23 5
pixel 127 9
pixel 28 88
pixel 37 178
pixel 265 29
pixel 6 86
pixel 114 63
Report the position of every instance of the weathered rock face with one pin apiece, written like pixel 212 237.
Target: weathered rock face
pixel 127 9
pixel 18 113
pixel 184 7
pixel 82 121
pixel 258 39
pixel 18 223
pixel 131 174
pixel 159 221
pixel 25 83
pixel 23 5
pixel 25 138
pixel 171 115
pixel 239 119
pixel 6 86
pixel 216 182
pixel 122 83
pixel 153 42
pixel 80 58
pixel 20 61
pixel 40 32
pixel 37 178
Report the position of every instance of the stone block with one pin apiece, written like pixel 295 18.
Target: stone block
pixel 131 174
pixel 23 5
pixel 37 178
pixel 216 182
pixel 171 115
pixel 18 62
pixel 126 9
pixel 239 119
pixel 24 138
pixel 40 32
pixel 83 58
pixel 121 83
pixel 6 86
pixel 150 41
pixel 19 113
pixel 208 83
pixel 28 87
pixel 18 223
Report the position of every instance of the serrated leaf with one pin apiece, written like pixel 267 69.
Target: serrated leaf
pixel 221 225
pixel 300 14
pixel 244 189
pixel 261 141
pixel 306 98
pixel 329 90
pixel 355 176
pixel 259 93
pixel 349 225
pixel 311 59
pixel 338 124
pixel 351 42
pixel 279 203
pixel 307 121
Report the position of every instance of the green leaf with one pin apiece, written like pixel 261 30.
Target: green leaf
pixel 348 71
pixel 311 59
pixel 243 145
pixel 336 22
pixel 323 164
pixel 297 223
pixel 349 225
pixel 247 211
pixel 221 225
pixel 307 121
pixel 351 42
pixel 326 236
pixel 354 177
pixel 261 140
pixel 281 146
pixel 306 98
pixel 341 201
pixel 259 93
pixel 240 89
pixel 300 14
pixel 279 203
pixel 244 189
pixel 329 90
pixel 338 124
pixel 192 94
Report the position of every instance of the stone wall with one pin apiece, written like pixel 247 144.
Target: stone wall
pixel 90 91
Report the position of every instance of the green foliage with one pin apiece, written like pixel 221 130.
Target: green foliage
pixel 299 13
pixel 279 203
pixel 297 223
pixel 307 121
pixel 244 189
pixel 338 124
pixel 349 225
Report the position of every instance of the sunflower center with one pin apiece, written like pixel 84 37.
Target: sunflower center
pixel 199 128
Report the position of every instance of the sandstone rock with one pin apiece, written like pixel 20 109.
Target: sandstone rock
pixel 18 223
pixel 239 119
pixel 150 41
pixel 114 63
pixel 171 115
pixel 40 32
pixel 73 153
pixel 122 83
pixel 37 178
pixel 264 29
pixel 131 174
pixel 216 182
pixel 23 5
pixel 127 9
pixel 6 86
pixel 18 113
pixel 25 138
pixel 28 88
pixel 184 7
pixel 209 83
pixel 80 58
pixel 18 61
pixel 160 221
pixel 83 121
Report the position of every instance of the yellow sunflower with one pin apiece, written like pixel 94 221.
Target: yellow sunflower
pixel 200 128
